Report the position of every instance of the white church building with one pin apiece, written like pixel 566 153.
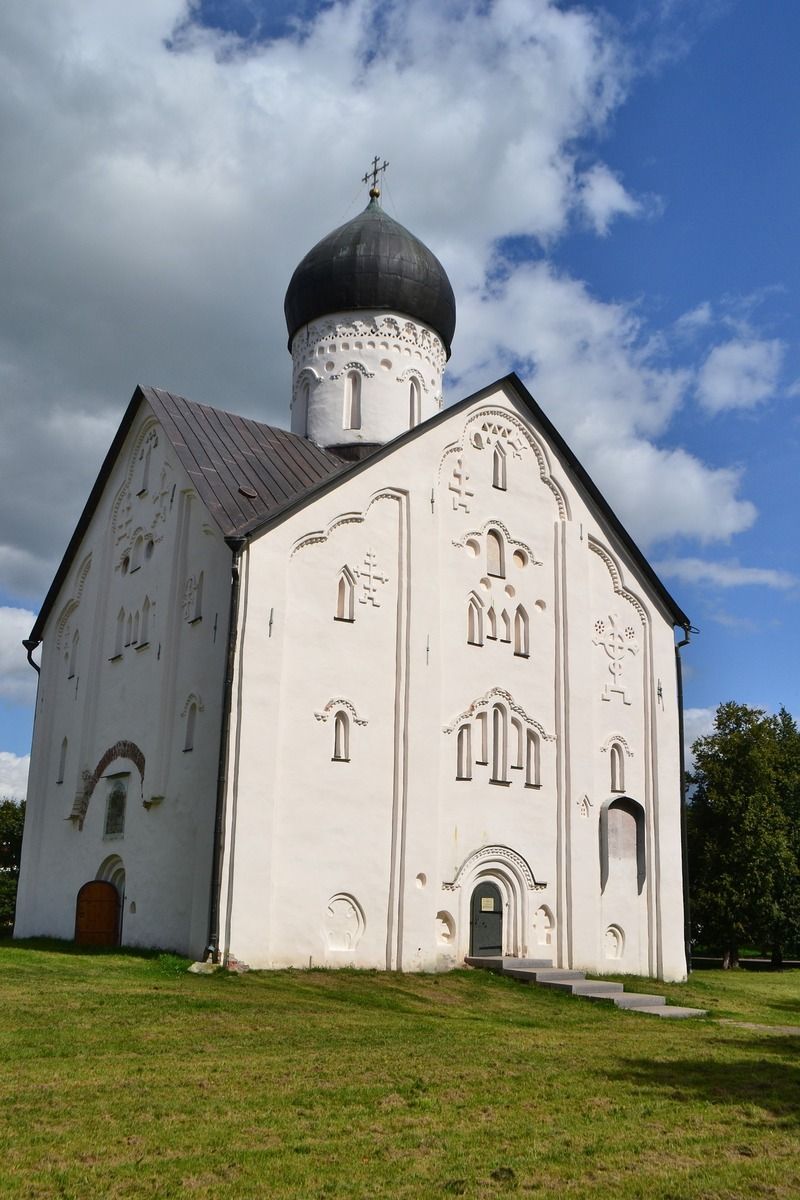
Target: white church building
pixel 385 691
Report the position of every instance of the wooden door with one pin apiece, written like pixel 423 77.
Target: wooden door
pixel 486 921
pixel 97 914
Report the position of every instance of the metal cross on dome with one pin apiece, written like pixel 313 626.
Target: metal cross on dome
pixel 375 172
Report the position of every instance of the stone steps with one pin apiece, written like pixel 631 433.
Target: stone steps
pixel 542 972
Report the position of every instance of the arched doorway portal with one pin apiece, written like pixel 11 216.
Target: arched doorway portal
pixel 486 920
pixel 97 914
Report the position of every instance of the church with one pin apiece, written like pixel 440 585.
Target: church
pixel 386 691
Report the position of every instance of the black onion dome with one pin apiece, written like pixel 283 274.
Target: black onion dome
pixel 371 262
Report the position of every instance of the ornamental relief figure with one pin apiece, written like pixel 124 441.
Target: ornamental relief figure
pixel 617 639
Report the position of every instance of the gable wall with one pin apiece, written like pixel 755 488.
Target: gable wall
pixel 131 685
pixel 372 861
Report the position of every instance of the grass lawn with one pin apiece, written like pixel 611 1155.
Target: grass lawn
pixel 124 1076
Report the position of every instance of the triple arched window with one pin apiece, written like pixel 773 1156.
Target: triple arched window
pixel 503 743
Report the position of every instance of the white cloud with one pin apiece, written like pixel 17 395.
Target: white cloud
pixel 697 318
pixel 697 722
pixel 17 677
pixel 739 374
pixel 604 198
pixel 725 574
pixel 13 775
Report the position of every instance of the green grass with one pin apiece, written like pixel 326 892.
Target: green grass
pixel 125 1077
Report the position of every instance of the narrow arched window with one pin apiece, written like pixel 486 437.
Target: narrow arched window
pixel 499 467
pixel 474 621
pixel 341 737
pixel 495 554
pixel 73 656
pixel 505 620
pixel 301 415
pixel 120 633
pixel 129 629
pixel 352 401
pixel 191 721
pixel 197 606
pixel 145 626
pixel 135 637
pixel 483 729
pixel 521 632
pixel 144 481
pixel 62 762
pixel 345 596
pixel 414 403
pixel 499 744
pixel 464 753
pixel 617 768
pixel 136 553
pixel 517 743
pixel 533 763
pixel 491 623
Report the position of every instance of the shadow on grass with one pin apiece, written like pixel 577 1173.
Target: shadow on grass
pixel 773 1087
pixel 61 946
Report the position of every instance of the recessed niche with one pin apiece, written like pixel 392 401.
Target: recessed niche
pixel 386 364
pixel 486 584
pixel 510 591
pixel 472 547
pixel 422 879
pixel 541 605
pixel 329 366
pixel 345 345
pixel 520 558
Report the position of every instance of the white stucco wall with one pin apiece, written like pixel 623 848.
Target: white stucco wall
pixel 372 861
pixel 142 696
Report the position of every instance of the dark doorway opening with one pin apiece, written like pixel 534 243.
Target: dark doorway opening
pixel 486 921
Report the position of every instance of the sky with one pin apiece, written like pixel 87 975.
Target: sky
pixel 612 189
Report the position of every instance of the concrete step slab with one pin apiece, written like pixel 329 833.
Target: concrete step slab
pixel 639 1000
pixel 547 975
pixel 508 961
pixel 582 987
pixel 493 962
pixel 671 1011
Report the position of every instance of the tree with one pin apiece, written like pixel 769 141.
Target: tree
pixel 12 819
pixel 744 864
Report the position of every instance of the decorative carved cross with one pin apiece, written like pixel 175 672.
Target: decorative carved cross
pixel 462 494
pixel 370 578
pixel 375 172
pixel 616 642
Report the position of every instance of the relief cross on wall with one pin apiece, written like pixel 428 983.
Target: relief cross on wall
pixel 458 486
pixel 617 640
pixel 372 579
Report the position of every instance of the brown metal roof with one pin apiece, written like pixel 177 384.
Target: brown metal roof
pixel 244 471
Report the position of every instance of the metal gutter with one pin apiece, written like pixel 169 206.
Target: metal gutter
pixel 687 919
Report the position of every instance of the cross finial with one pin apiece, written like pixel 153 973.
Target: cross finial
pixel 375 171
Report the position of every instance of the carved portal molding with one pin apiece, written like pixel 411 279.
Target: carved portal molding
pixel 510 541
pixel 498 694
pixel 349 518
pixel 518 435
pixel 335 705
pixel 498 854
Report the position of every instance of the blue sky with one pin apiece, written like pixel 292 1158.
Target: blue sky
pixel 612 188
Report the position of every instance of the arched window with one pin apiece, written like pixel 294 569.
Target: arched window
pixel 345 596
pixel 62 762
pixel 464 753
pixel 521 632
pixel 533 760
pixel 73 655
pixel 136 553
pixel 197 601
pixel 129 629
pixel 474 621
pixel 414 403
pixel 483 729
pixel 352 401
pixel 499 744
pixel 341 737
pixel 495 554
pixel 617 768
pixel 191 721
pixel 505 620
pixel 144 631
pixel 135 638
pixel 120 633
pixel 301 415
pixel 491 623
pixel 622 852
pixel 144 481
pixel 517 743
pixel 499 467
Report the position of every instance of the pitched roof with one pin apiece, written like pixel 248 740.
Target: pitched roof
pixel 244 471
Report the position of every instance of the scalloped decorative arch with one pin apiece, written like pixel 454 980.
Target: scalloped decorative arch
pixel 120 749
pixel 501 855
pixel 497 693
pixel 334 705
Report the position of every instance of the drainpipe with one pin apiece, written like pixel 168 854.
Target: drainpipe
pixel 31 645
pixel 687 923
pixel 212 948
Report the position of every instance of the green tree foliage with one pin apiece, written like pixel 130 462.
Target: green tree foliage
pixel 744 841
pixel 12 819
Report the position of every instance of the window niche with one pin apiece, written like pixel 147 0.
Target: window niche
pixel 345 596
pixel 191 722
pixel 495 554
pixel 617 764
pixel 73 656
pixel 533 759
pixel 474 621
pixel 114 826
pixel 622 841
pixel 119 636
pixel 351 417
pixel 499 745
pixel 522 633
pixel 341 737
pixel 62 762
pixel 499 468
pixel 464 753
pixel 414 403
